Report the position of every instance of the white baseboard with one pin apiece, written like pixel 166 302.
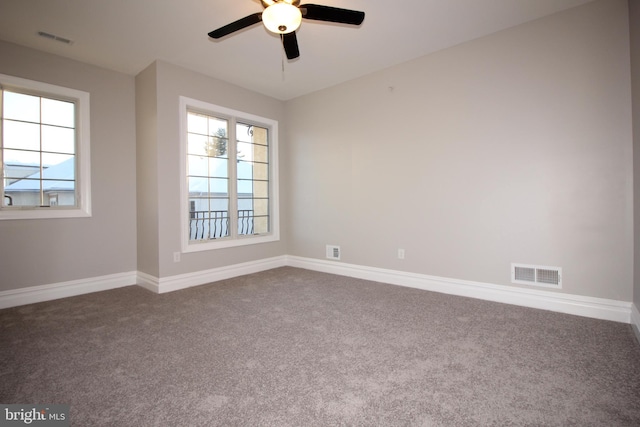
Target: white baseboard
pixel 183 281
pixel 599 308
pixel 148 282
pixel 635 320
pixel 34 294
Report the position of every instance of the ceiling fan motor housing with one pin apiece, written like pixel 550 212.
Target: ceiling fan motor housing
pixel 281 17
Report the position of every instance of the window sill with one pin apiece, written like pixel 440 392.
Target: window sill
pixel 31 213
pixel 209 245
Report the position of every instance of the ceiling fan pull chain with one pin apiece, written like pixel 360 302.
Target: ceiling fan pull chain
pixel 282 59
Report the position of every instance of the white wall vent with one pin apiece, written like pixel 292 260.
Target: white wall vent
pixel 333 252
pixel 537 275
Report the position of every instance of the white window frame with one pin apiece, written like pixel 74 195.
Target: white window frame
pixel 187 104
pixel 83 156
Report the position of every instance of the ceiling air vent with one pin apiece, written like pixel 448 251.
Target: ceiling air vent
pixel 524 274
pixel 55 37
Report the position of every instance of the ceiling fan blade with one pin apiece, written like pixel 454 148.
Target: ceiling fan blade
pixel 331 14
pixel 290 43
pixel 238 25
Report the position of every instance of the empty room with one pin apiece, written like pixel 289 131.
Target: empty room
pixel 272 213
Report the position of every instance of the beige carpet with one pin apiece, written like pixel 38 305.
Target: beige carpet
pixel 290 347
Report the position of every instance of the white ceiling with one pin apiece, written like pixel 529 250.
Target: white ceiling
pixel 128 35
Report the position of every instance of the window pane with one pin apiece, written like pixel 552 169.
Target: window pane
pixel 197 165
pixel 207 166
pixel 219 187
pixel 251 170
pixel 244 170
pixel 217 127
pixel 252 179
pixel 260 135
pixel 28 195
pixel 261 171
pixel 203 145
pixel 207 160
pixel 245 151
pixel 218 225
pixel 245 222
pixel 208 222
pixel 220 204
pixel 261 207
pixel 260 153
pixel 18 106
pixel 245 188
pixel 49 185
pixel 260 188
pixel 58 139
pixel 206 125
pixel 197 144
pixel 58 113
pixel 244 132
pixel 216 146
pixel 25 136
pixel 198 186
pixel 198 204
pixel 261 224
pixel 249 152
pixel 218 167
pixel 197 123
pixel 245 203
pixel 60 166
pixel 15 160
pixel 68 200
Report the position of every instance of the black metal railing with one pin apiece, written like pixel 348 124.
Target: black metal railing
pixel 205 225
pixel 245 222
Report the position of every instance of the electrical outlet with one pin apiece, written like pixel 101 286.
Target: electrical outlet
pixel 400 253
pixel 333 252
pixel 176 257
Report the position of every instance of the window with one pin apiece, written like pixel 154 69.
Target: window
pixel 44 150
pixel 229 177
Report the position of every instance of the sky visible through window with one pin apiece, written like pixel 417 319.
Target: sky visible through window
pixel 32 123
pixel 38 150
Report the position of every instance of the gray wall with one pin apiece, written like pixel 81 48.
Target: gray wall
pixel 147 172
pixel 38 252
pixel 162 175
pixel 634 21
pixel 516 147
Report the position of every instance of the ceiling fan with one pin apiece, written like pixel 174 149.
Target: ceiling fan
pixel 283 17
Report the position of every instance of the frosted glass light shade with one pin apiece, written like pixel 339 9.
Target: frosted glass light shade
pixel 281 18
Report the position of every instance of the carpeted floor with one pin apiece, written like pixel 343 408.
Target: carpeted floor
pixel 291 347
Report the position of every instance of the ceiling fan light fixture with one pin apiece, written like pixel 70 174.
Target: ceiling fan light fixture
pixel 281 18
